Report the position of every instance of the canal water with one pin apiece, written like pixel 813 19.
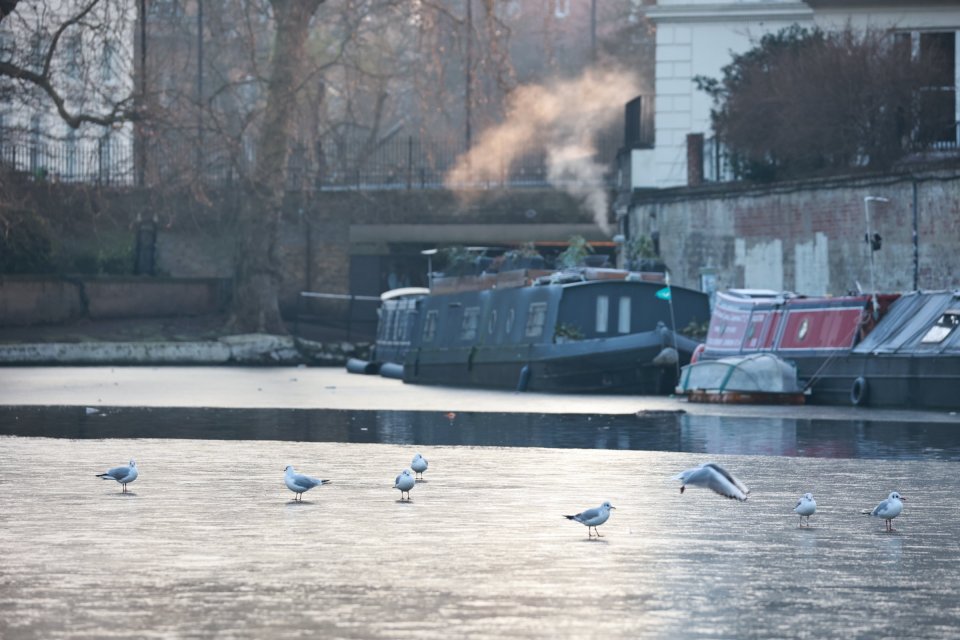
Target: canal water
pixel 209 542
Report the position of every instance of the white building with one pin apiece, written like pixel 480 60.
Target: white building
pixel 90 66
pixel 697 37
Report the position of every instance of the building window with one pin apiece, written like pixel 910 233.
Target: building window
pixel 623 318
pixel 492 322
pixel 71 168
pixel 400 328
pixel 106 157
pixel 34 142
pixel 106 62
pixel 7 44
pixel 165 8
pixel 471 320
pixel 36 52
pixel 74 50
pixel 603 313
pixel 508 323
pixel 938 118
pixel 536 318
pixel 430 326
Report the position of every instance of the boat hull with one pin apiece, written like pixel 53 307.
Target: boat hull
pixel 887 381
pixel 615 365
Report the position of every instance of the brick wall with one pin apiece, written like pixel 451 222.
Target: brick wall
pixel 809 237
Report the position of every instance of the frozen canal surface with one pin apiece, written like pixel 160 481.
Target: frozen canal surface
pixel 208 542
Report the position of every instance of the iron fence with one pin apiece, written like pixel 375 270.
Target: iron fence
pixel 106 160
pixel 333 165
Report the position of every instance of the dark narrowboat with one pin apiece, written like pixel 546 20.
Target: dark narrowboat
pixel 580 330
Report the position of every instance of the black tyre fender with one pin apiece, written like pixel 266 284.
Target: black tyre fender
pixel 859 392
pixel 524 380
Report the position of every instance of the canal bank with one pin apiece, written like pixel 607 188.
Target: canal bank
pixel 304 387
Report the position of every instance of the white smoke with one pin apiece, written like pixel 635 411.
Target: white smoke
pixel 564 119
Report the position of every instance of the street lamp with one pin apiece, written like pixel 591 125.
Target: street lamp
pixel 873 244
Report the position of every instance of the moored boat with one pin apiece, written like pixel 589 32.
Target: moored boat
pixel 887 350
pixel 578 330
pixel 757 378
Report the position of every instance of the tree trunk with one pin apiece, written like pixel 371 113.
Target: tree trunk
pixel 257 276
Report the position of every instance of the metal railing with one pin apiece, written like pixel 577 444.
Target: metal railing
pixel 103 161
pixel 401 163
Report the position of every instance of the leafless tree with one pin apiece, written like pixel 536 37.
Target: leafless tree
pixel 257 274
pixel 52 50
pixel 244 85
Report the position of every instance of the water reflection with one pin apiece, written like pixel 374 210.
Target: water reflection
pixel 655 432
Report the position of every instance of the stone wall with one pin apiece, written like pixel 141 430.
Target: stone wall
pixel 27 300
pixel 809 237
pixel 804 236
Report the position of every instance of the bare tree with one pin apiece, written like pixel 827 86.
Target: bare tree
pixel 805 102
pixel 257 276
pixel 235 91
pixel 51 46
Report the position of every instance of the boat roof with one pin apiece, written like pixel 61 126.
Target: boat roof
pixel 539 277
pixel 926 322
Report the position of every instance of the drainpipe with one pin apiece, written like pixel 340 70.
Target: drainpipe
pixel 916 239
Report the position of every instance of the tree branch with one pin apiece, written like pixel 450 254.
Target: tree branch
pixel 119 111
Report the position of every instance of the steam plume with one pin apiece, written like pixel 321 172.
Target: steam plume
pixel 563 118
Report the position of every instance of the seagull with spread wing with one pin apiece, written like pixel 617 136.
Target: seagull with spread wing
pixel 714 477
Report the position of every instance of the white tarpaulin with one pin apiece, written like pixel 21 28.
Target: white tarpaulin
pixel 755 373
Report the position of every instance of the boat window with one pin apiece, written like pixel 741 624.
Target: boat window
pixel 508 323
pixel 391 317
pixel 471 320
pixel 398 329
pixel 947 323
pixel 536 317
pixel 430 326
pixel 623 319
pixel 603 313
pixel 492 322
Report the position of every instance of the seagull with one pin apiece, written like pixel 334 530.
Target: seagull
pixel 715 477
pixel 404 482
pixel 123 475
pixel 419 465
pixel 298 483
pixel 888 509
pixel 806 506
pixel 593 518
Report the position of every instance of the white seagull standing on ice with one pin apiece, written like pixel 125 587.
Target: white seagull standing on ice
pixel 714 477
pixel 405 481
pixel 888 509
pixel 593 518
pixel 123 475
pixel 806 507
pixel 419 465
pixel 298 483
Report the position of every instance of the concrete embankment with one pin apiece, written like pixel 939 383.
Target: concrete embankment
pixel 250 349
